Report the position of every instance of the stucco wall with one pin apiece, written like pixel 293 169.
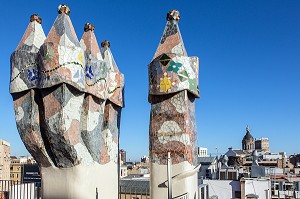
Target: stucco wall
pixel 257 187
pixel 222 188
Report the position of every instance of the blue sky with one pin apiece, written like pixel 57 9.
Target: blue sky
pixel 249 64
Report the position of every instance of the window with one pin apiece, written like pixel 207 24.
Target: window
pixel 237 194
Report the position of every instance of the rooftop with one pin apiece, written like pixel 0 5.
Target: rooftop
pixel 206 160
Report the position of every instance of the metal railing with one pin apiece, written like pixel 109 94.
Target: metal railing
pixel 10 189
pixel 134 193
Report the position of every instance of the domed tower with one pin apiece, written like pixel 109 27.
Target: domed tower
pixel 248 142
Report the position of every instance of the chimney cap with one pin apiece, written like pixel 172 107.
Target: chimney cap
pixel 89 26
pixel 105 43
pixel 173 15
pixel 36 17
pixel 63 8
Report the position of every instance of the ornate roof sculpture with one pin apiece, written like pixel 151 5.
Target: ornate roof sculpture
pixel 68 97
pixel 173 87
pixel 170 72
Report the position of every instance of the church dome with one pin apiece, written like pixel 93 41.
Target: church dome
pixel 248 135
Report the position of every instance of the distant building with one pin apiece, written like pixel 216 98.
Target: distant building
pixel 123 156
pixel 4 160
pixel 235 157
pixel 227 172
pixel 202 152
pixel 135 186
pixel 245 188
pixel 145 159
pixel 262 144
pixel 248 142
pixel 295 160
pixel 209 167
pixel 16 166
pixel 15 169
pixel 272 160
pixel 123 171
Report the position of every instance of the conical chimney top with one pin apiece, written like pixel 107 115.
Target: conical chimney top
pixel 89 42
pixel 62 31
pixel 24 72
pixel 171 41
pixel 108 56
pixel 34 35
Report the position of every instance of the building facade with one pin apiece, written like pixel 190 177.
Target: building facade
pixel 4 160
pixel 123 156
pixel 16 166
pixel 209 167
pixel 262 144
pixel 202 152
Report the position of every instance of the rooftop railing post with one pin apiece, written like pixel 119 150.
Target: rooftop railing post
pixel 169 163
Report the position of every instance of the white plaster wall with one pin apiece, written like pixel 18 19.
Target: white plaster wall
pixel 224 189
pixel 81 182
pixel 257 187
pixel 158 182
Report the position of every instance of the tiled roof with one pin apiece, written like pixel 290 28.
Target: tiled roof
pixel 135 186
pixel 239 152
pixel 206 160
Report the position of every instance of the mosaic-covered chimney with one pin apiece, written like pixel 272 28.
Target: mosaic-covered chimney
pixel 68 97
pixel 173 87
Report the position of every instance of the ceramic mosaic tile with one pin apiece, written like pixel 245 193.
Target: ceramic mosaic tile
pixel 173 87
pixel 68 95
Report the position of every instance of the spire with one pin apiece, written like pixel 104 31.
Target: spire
pixel 34 35
pixel 247 129
pixel 89 43
pixel 248 135
pixel 62 31
pixel 171 41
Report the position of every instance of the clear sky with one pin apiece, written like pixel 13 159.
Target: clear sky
pixel 249 64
